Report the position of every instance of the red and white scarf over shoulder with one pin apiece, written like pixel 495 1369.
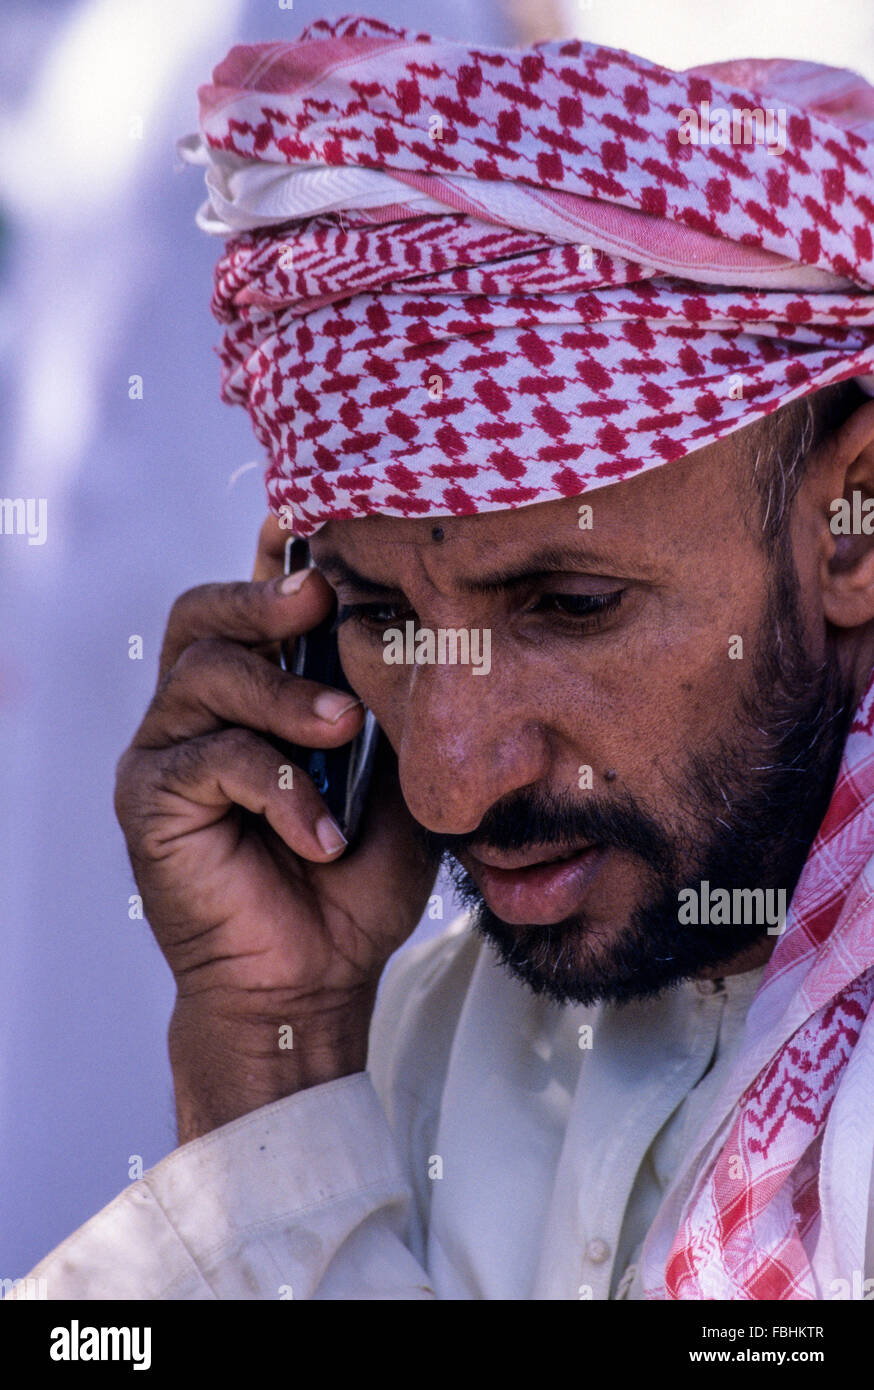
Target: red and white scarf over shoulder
pixel 460 278
pixel 778 1202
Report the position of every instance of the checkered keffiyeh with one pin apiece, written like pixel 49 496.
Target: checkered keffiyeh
pixel 460 279
pixel 554 295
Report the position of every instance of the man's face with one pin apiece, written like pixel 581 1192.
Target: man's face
pixel 661 707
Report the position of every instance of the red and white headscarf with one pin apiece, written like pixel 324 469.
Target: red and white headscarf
pixel 461 279
pixel 467 278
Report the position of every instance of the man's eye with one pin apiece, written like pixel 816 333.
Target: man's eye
pixel 372 615
pixel 582 611
pixel 580 606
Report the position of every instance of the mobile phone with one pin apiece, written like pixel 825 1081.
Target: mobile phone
pixel 342 775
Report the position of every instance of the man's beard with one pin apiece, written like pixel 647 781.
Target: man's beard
pixel 754 801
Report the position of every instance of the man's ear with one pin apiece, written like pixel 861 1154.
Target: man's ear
pixel 844 485
pixel 270 556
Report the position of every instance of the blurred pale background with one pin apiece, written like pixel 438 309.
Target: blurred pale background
pixel 104 276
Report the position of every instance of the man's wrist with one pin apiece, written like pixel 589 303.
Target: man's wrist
pixel 225 1067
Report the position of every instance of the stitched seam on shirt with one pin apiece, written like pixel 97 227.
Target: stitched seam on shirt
pixel 239 1238
pixel 167 1288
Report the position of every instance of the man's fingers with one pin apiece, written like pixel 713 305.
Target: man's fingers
pixel 230 768
pixel 270 556
pixel 250 613
pixel 215 683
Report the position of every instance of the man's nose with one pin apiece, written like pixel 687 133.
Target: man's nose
pixel 466 742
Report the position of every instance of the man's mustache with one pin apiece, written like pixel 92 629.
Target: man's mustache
pixel 524 821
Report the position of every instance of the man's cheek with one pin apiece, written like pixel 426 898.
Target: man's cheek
pixel 361 659
pixel 383 688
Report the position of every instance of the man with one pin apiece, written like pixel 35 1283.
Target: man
pixel 465 289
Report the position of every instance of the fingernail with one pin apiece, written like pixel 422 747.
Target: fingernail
pixel 331 705
pixel 292 582
pixel 329 835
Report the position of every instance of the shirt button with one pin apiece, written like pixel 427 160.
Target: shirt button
pixel 597 1251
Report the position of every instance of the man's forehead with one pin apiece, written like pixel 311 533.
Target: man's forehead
pixel 477 550
pixel 629 526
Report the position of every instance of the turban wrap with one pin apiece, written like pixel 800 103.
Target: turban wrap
pixel 460 279
pixel 465 278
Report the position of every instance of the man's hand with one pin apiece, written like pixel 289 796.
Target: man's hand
pixel 265 924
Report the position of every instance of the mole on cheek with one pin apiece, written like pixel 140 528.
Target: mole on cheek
pixel 610 775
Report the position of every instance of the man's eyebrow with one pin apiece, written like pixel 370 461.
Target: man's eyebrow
pixel 550 560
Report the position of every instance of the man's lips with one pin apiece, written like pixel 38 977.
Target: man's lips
pixel 523 888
